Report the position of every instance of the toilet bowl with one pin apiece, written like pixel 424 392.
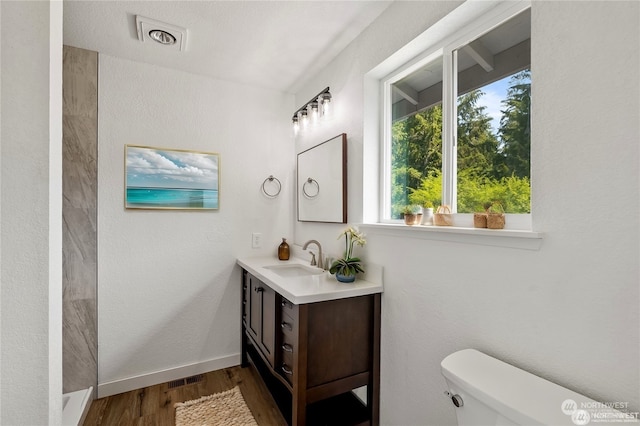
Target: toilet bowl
pixel 487 391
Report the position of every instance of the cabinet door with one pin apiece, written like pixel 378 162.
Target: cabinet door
pixel 267 336
pixel 261 312
pixel 245 298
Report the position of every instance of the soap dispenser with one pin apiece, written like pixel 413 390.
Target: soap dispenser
pixel 283 250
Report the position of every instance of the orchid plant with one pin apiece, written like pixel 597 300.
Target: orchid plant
pixel 349 265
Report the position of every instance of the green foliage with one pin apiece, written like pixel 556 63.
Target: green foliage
pixel 412 209
pixel 491 167
pixel 429 193
pixel 515 128
pixel 477 193
pixel 346 267
pixel 416 151
pixel 477 145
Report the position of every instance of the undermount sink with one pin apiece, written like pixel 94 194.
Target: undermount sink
pixel 294 270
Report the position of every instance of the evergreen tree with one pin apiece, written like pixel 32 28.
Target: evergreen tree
pixel 515 129
pixel 416 152
pixel 477 145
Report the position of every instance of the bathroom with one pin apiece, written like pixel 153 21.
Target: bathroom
pixel 168 285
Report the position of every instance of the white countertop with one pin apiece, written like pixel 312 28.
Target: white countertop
pixel 309 288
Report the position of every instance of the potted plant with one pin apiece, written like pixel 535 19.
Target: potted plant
pixel 412 214
pixel 346 268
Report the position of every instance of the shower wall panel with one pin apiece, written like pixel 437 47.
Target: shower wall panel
pixel 79 213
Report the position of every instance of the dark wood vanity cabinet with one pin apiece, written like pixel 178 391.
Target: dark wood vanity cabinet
pixel 319 352
pixel 259 315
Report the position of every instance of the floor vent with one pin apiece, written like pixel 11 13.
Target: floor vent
pixel 194 379
pixel 186 381
pixel 176 383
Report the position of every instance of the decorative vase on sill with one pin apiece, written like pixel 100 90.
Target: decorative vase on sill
pixel 427 216
pixel 346 268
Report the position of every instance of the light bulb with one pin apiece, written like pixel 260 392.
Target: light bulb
pixel 313 107
pixel 326 100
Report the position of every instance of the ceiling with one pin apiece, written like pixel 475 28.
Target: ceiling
pixel 270 44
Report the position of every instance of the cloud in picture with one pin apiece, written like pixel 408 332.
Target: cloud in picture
pixel 158 168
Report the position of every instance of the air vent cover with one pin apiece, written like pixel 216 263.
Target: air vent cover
pixel 145 26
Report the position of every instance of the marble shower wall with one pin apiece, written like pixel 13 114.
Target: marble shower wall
pixel 79 215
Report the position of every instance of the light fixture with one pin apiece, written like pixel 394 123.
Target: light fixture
pixel 162 37
pixel 318 105
pixel 171 37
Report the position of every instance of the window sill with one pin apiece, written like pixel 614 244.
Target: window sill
pixel 520 239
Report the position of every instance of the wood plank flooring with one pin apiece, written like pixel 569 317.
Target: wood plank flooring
pixel 153 406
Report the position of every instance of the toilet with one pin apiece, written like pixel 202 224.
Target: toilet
pixel 487 391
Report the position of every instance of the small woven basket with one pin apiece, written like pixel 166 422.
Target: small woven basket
pixel 443 216
pixel 495 220
pixel 495 216
pixel 480 220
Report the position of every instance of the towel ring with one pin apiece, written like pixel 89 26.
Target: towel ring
pixel 311 181
pixel 271 178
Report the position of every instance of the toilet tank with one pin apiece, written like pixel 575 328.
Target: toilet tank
pixel 496 393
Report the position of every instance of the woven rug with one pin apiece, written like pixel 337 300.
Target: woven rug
pixel 221 409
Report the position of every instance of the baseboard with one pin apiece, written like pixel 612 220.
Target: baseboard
pixel 150 379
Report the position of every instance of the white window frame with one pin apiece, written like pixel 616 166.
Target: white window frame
pixel 447 49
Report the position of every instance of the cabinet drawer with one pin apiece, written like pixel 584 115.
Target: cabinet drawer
pixel 286 369
pixel 289 309
pixel 244 304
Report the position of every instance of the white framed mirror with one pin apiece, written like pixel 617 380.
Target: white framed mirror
pixel 322 182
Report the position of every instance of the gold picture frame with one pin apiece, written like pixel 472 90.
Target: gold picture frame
pixel 175 179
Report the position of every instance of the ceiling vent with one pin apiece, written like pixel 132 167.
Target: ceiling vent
pixel 168 35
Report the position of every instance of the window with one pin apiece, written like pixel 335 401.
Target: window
pixel 457 123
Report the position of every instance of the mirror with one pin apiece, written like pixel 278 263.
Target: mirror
pixel 322 182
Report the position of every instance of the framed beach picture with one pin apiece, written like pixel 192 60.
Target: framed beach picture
pixel 160 178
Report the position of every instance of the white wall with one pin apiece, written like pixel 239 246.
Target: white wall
pixel 31 217
pixel 168 287
pixel 568 311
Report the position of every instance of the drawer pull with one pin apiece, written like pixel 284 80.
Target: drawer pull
pixel 287 304
pixel 287 347
pixel 259 289
pixel 287 326
pixel 286 369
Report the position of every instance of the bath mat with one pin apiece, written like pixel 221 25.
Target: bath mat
pixel 221 409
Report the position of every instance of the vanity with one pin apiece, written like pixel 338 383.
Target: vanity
pixel 313 340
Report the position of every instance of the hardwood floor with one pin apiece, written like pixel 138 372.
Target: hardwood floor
pixel 153 406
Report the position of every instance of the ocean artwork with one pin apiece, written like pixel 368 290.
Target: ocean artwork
pixel 158 178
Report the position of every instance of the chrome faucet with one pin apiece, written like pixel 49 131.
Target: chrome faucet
pixel 320 258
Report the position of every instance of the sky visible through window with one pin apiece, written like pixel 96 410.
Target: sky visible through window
pixel 492 98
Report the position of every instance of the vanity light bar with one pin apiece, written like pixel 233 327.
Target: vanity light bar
pixel 314 108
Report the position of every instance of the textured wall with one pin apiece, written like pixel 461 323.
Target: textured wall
pixel 168 286
pixel 567 312
pixel 31 216
pixel 79 211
